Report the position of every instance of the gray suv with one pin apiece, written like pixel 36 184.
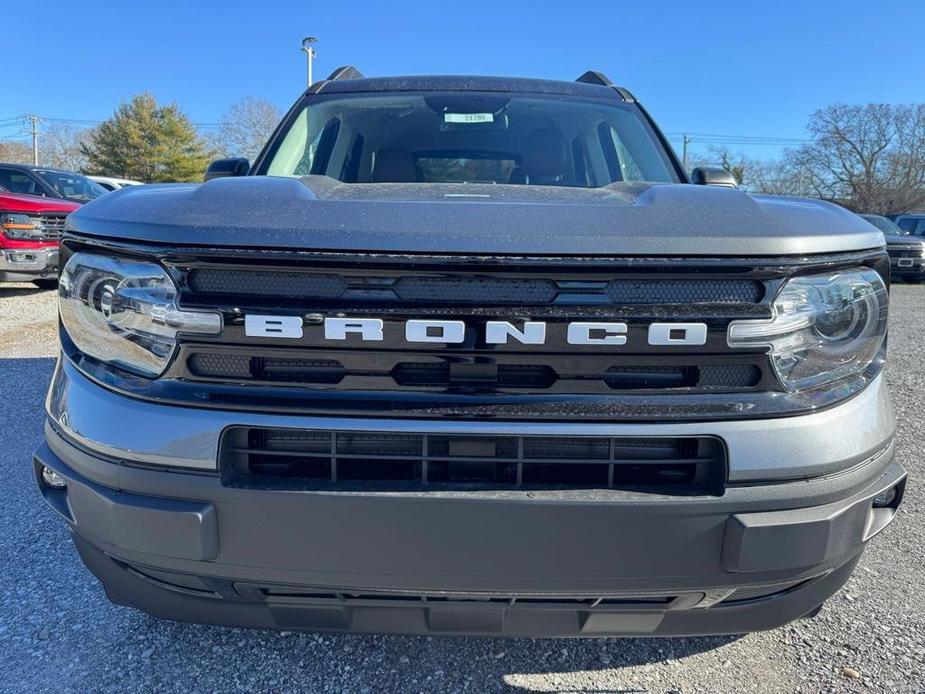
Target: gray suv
pixel 906 251
pixel 468 355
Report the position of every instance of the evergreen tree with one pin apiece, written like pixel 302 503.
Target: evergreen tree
pixel 147 142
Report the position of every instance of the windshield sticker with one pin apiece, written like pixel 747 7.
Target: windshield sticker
pixel 468 118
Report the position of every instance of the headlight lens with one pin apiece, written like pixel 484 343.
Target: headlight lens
pixel 17 226
pixel 825 327
pixel 123 312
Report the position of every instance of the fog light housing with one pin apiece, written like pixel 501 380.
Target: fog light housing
pixel 52 479
pixel 885 498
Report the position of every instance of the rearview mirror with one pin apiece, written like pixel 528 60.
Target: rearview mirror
pixel 713 176
pixel 220 168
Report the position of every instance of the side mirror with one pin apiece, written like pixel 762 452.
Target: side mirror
pixel 220 168
pixel 713 176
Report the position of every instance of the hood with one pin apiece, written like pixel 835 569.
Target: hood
pixel 320 213
pixel 15 202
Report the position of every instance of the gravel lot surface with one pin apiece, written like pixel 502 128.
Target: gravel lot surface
pixel 59 633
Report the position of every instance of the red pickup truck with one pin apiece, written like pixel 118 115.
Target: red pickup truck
pixel 30 227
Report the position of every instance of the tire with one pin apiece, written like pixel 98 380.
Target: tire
pixel 46 283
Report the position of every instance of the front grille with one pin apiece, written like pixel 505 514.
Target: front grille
pixel 684 292
pixel 598 374
pixel 226 589
pixel 911 251
pixel 675 466
pixel 279 369
pixel 51 227
pixel 457 289
pixel 47 228
pixel 267 283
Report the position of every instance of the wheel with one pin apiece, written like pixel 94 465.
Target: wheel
pixel 46 283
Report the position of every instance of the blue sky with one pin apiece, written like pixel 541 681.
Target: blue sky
pixel 744 68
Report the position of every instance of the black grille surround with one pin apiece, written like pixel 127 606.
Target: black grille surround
pixel 673 466
pixel 554 381
pixel 475 295
pixel 453 289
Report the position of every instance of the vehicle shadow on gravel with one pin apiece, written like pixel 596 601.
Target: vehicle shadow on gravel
pixel 305 661
pixel 20 291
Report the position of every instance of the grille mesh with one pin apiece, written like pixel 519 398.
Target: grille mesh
pixel 296 370
pixel 267 283
pixel 729 376
pixel 464 289
pixel 220 365
pixel 476 290
pixel 685 291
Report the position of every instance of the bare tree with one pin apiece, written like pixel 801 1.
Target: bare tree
pixel 868 158
pixel 753 175
pixel 247 126
pixel 60 146
pixel 15 152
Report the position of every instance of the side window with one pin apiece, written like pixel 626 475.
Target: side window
pixel 907 224
pixel 293 149
pixel 920 228
pixel 18 182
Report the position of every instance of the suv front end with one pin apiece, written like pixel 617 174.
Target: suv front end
pixel 650 438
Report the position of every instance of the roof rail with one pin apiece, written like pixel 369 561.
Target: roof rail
pixel 599 78
pixel 595 77
pixel 347 72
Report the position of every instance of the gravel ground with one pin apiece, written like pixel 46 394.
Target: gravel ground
pixel 59 633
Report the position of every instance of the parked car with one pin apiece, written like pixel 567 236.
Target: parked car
pixel 471 355
pixel 911 222
pixel 110 183
pixel 907 252
pixel 46 182
pixel 30 227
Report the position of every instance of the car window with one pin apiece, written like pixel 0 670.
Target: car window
pixel 906 224
pixel 470 137
pixel 887 226
pixel 19 182
pixel 72 186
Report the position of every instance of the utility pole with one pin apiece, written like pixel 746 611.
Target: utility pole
pixel 310 54
pixel 35 138
pixel 685 142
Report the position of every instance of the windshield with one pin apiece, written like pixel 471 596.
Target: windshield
pixel 71 186
pixel 470 137
pixel 887 226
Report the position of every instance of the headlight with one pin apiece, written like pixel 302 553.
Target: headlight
pixel 825 327
pixel 124 312
pixel 17 226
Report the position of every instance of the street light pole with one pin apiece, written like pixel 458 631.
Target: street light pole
pixel 310 54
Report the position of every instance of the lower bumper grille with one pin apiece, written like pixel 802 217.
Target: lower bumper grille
pixel 675 466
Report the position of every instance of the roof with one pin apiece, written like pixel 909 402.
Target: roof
pixel 465 83
pixel 31 167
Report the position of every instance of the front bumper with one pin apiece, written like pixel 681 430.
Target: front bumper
pixel 907 268
pixel 182 545
pixel 27 264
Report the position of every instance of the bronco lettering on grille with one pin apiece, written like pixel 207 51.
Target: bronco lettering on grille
pixel 496 332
